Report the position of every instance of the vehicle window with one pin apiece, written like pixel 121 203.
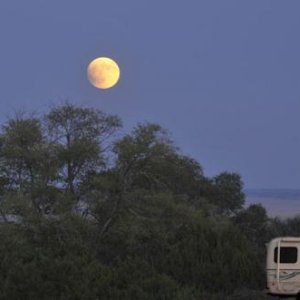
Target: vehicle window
pixel 288 255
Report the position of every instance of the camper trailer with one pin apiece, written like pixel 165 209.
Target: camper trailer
pixel 283 266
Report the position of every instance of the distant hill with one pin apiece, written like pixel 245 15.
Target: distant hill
pixel 278 202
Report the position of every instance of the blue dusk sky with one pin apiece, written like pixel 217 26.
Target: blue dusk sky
pixel 222 76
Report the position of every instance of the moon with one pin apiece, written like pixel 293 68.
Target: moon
pixel 103 72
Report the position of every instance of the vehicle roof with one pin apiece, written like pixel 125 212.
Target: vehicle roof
pixel 283 239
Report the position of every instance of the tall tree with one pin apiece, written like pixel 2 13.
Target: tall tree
pixel 228 194
pixel 20 153
pixel 28 162
pixel 148 159
pixel 81 135
pixel 254 222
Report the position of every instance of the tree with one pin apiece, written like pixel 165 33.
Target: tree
pixel 21 144
pixel 148 159
pixel 51 259
pixel 28 164
pixel 228 192
pixel 254 221
pixel 80 135
pixel 140 154
pixel 149 231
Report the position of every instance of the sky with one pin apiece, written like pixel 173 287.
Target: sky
pixel 222 76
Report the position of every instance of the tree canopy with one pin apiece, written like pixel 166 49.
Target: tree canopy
pixel 88 213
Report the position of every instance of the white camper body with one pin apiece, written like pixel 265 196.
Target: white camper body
pixel 283 266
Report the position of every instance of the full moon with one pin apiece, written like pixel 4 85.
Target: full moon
pixel 103 72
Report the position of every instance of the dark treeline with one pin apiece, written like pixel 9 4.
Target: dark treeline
pixel 88 213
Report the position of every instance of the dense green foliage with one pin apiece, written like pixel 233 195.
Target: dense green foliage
pixel 86 215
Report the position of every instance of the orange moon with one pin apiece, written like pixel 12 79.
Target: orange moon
pixel 103 72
